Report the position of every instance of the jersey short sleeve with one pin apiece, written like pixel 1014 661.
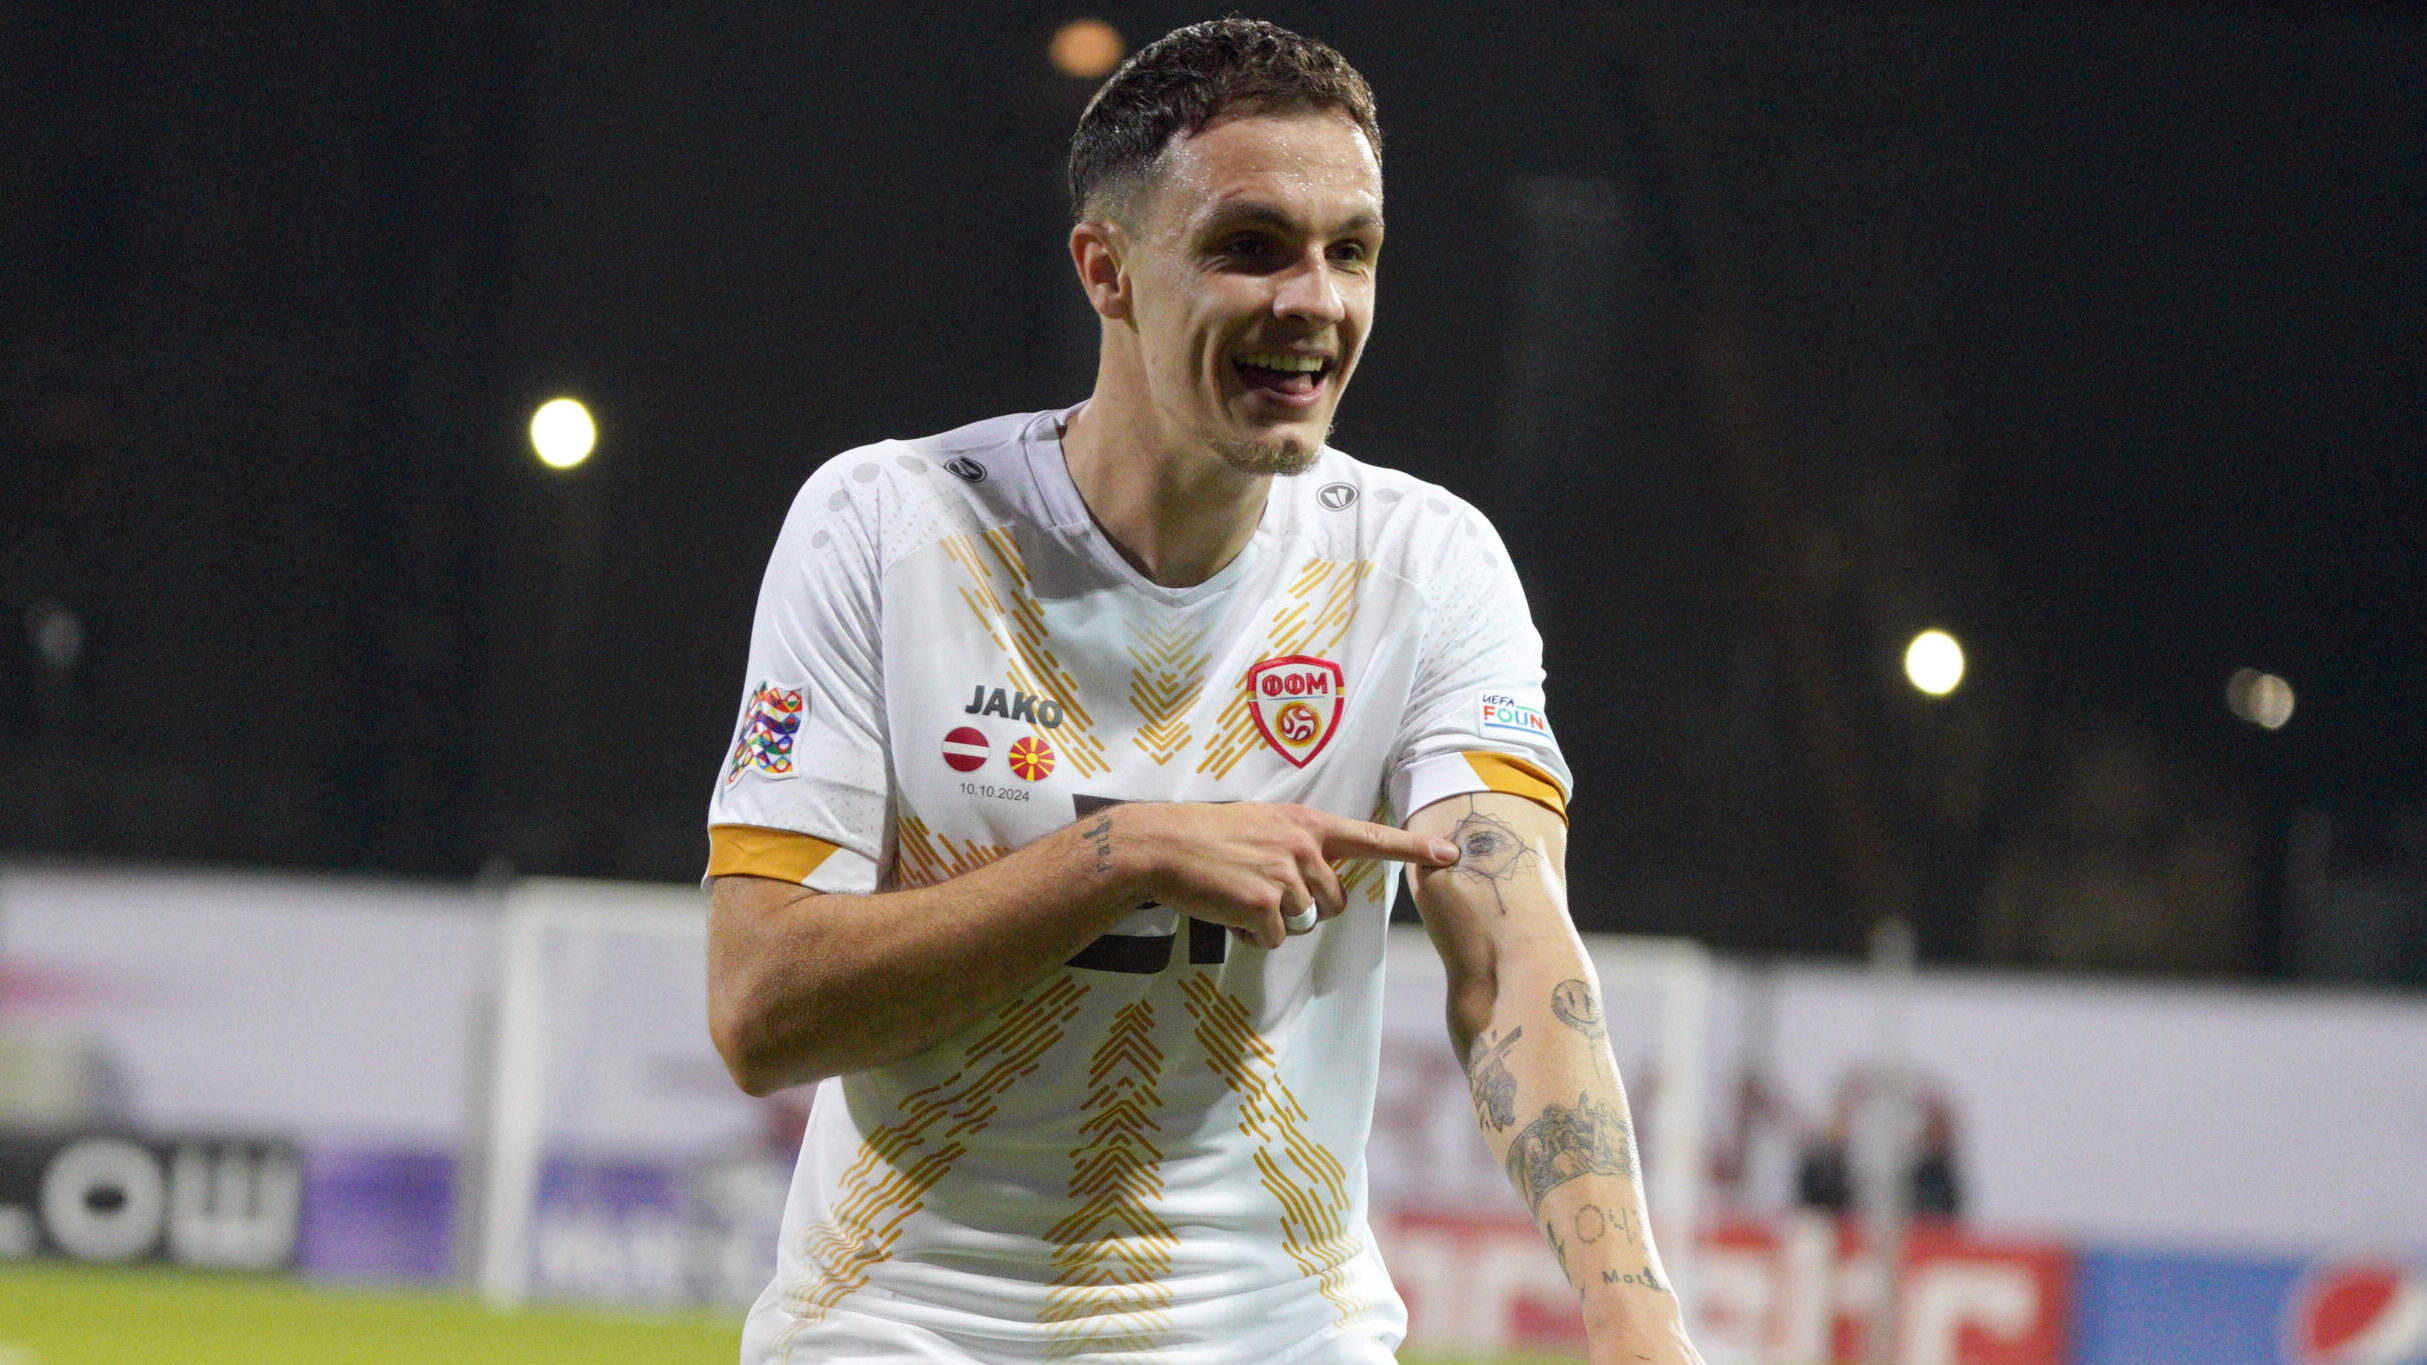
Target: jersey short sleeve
pixel 802 794
pixel 1475 718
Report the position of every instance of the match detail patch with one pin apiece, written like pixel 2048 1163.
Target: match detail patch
pixel 1504 714
pixel 770 724
pixel 1031 758
pixel 965 749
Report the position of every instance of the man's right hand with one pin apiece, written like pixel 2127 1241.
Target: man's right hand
pixel 1247 864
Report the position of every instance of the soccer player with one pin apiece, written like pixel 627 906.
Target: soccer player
pixel 1056 835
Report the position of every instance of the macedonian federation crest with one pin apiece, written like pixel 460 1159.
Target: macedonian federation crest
pixel 769 725
pixel 1296 702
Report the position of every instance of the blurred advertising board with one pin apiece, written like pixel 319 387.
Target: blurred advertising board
pixel 216 1202
pixel 1797 1290
pixel 291 1070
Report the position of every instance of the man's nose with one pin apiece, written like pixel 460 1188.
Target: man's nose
pixel 1309 293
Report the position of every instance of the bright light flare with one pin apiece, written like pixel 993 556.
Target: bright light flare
pixel 562 433
pixel 1934 662
pixel 1087 49
pixel 2262 699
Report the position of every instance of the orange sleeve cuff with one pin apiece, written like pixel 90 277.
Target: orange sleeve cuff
pixel 754 851
pixel 1515 776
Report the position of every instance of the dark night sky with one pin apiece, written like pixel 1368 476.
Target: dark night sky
pixel 2092 336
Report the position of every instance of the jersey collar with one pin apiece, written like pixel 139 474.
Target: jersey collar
pixel 1058 494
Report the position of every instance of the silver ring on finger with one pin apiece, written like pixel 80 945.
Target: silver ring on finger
pixel 1301 922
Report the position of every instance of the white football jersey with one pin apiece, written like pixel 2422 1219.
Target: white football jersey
pixel 1156 1152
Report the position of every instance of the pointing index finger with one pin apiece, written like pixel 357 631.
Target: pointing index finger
pixel 1365 839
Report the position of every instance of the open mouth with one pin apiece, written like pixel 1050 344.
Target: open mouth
pixel 1283 374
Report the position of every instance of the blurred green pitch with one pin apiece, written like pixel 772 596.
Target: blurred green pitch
pixel 53 1314
pixel 59 1314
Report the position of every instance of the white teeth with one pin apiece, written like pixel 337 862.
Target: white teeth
pixel 1276 360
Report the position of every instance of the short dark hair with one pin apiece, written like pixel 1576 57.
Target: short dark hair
pixel 1183 81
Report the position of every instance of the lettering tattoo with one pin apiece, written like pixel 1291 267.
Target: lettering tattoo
pixel 1099 834
pixel 1493 1085
pixel 1578 1008
pixel 1592 1138
pixel 1645 1277
pixel 1594 1222
pixel 1490 852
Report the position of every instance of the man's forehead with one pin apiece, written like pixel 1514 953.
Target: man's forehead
pixel 1304 169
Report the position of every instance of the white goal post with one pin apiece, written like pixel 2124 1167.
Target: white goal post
pixel 600 983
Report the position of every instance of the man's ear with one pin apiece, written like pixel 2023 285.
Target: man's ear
pixel 1097 247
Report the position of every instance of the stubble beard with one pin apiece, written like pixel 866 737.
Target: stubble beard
pixel 1284 458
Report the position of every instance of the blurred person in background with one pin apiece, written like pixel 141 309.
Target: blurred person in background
pixel 1054 843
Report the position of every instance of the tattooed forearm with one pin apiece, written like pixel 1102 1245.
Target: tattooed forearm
pixel 1494 1087
pixel 1099 835
pixel 1577 1007
pixel 1590 1139
pixel 1490 852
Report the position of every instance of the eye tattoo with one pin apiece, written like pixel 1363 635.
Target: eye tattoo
pixel 1494 1086
pixel 1490 851
pixel 1573 1001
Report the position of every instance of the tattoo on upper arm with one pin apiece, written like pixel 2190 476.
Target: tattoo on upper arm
pixel 1491 853
pixel 1099 834
pixel 1493 1085
pixel 1577 1007
pixel 1592 1138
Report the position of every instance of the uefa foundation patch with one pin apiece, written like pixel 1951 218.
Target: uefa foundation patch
pixel 770 724
pixel 1504 714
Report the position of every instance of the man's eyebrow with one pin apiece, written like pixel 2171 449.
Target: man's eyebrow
pixel 1251 214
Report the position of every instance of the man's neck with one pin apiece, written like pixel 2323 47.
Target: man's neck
pixel 1176 512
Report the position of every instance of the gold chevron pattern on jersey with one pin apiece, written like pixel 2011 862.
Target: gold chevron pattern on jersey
pixel 900 1162
pixel 1367 878
pixel 1305 1178
pixel 1016 623
pixel 1168 677
pixel 923 857
pixel 1112 1251
pixel 1314 616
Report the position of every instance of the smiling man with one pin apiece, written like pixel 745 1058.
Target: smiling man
pixel 1056 839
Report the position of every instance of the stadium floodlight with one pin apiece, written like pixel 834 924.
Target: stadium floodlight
pixel 562 433
pixel 1934 662
pixel 1087 49
pixel 2262 699
pixel 57 633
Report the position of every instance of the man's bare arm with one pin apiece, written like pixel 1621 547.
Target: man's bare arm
pixel 1525 1019
pixel 804 985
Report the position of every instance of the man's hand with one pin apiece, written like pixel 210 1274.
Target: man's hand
pixel 803 985
pixel 1250 865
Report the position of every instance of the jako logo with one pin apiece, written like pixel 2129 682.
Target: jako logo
pixel 2359 1315
pixel 1043 711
